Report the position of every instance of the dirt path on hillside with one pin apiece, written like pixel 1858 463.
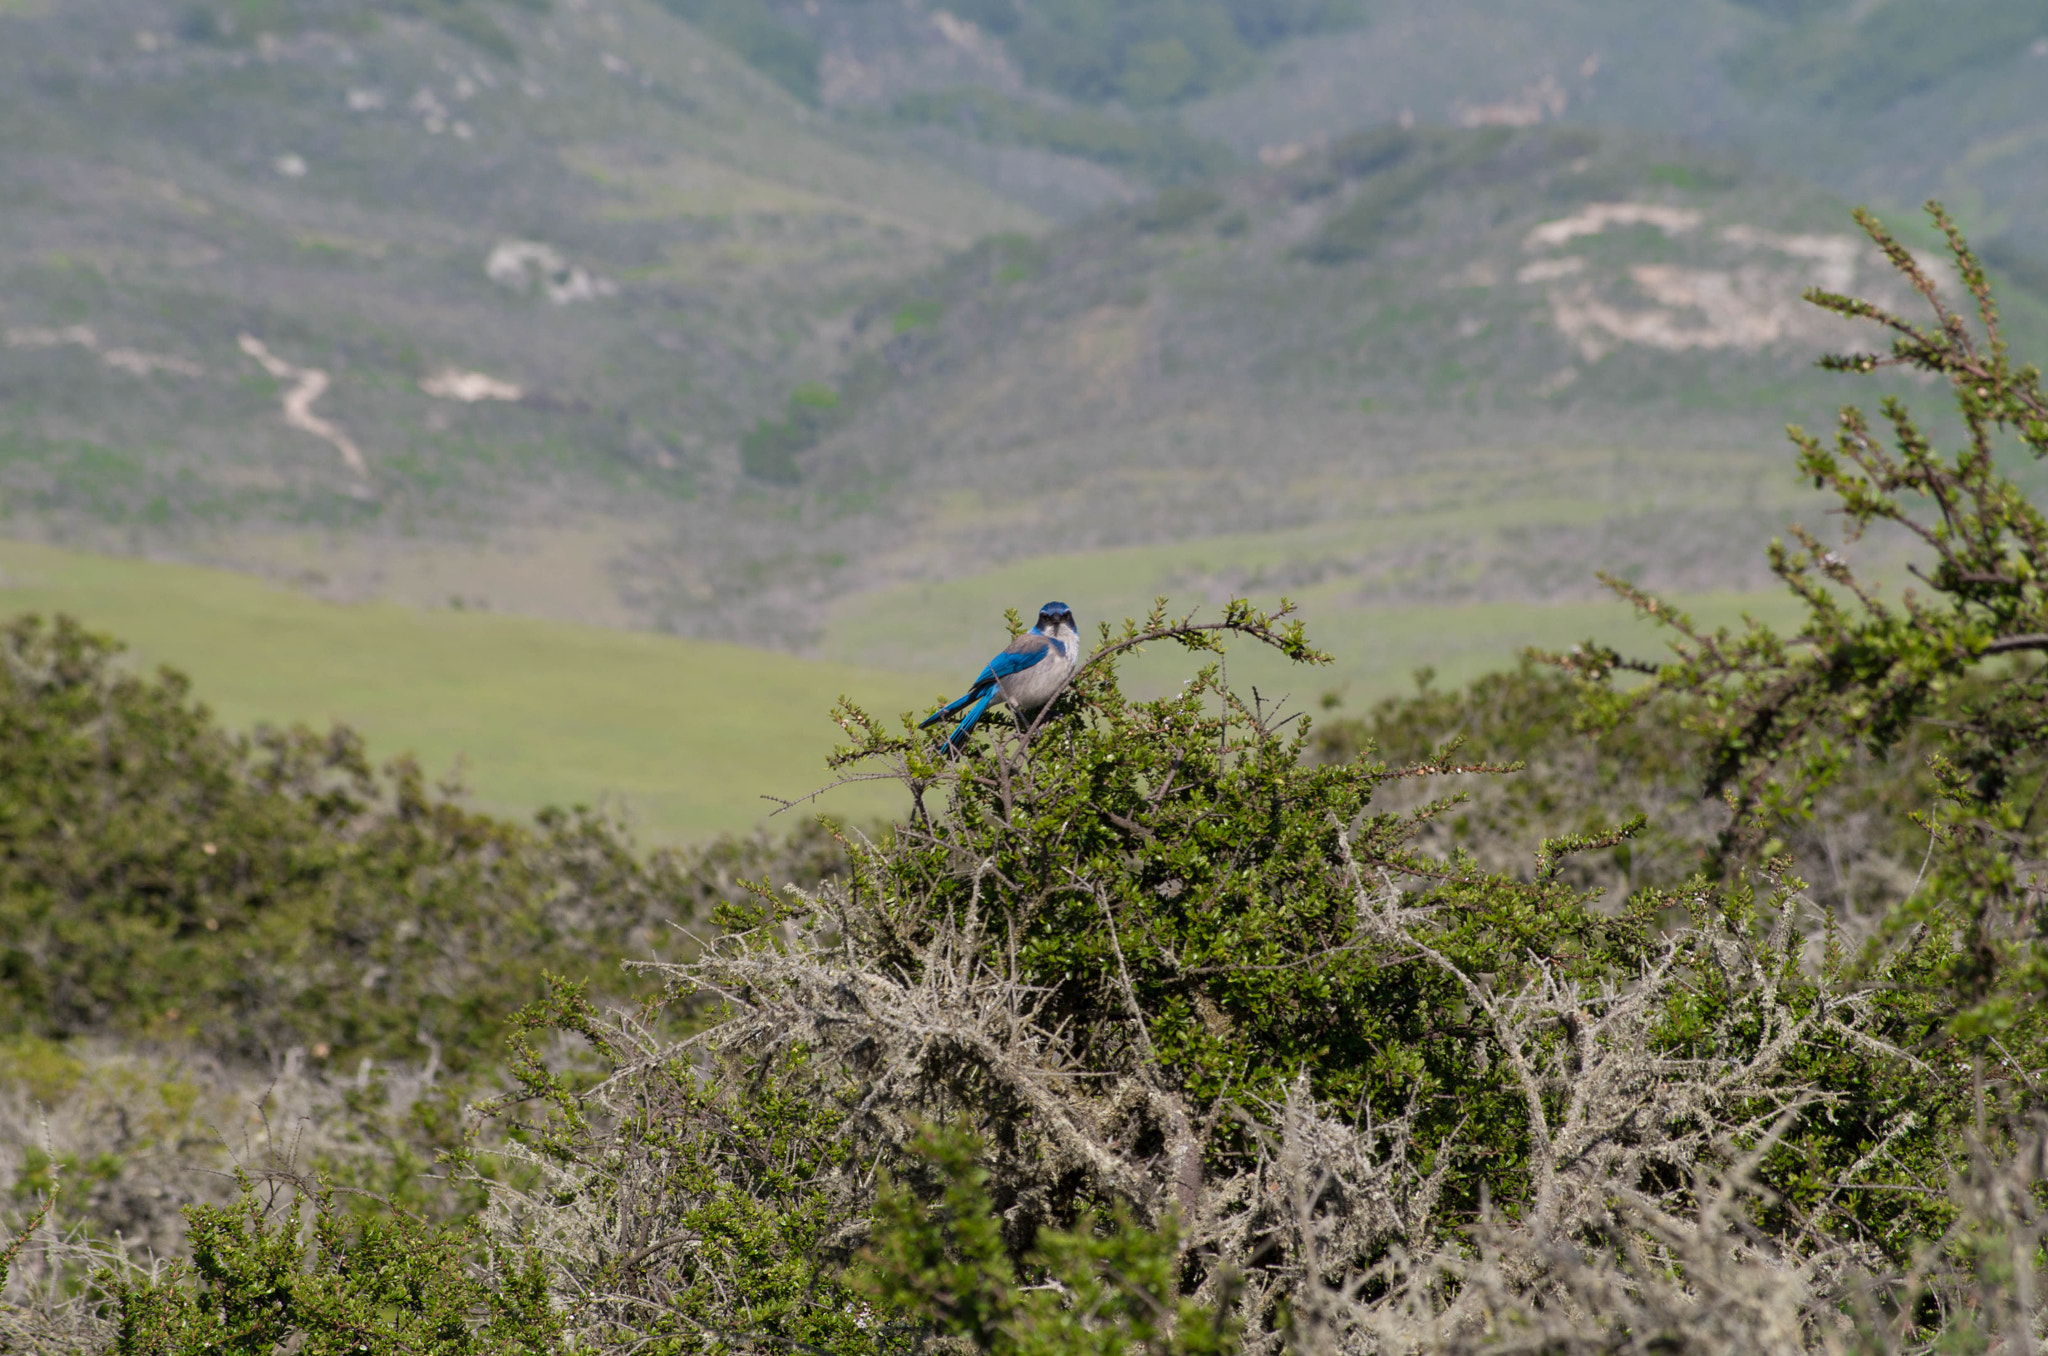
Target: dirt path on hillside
pixel 298 401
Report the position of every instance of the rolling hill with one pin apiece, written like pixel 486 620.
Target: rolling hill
pixel 801 324
pixel 1421 365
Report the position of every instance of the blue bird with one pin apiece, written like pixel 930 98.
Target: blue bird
pixel 1026 674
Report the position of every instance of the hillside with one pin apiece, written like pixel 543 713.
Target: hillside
pixel 1890 101
pixel 334 297
pixel 745 321
pixel 1422 366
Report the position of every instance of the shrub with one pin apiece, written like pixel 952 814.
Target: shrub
pixel 1159 963
pixel 1163 153
pixel 259 1280
pixel 1953 671
pixel 163 878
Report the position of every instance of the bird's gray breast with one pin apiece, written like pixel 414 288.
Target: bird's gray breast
pixel 1032 688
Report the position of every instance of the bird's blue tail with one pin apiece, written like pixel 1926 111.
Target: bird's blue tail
pixel 973 717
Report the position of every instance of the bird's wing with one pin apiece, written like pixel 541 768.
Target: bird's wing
pixel 1019 655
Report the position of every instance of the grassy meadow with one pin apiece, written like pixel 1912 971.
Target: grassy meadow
pixel 1375 650
pixel 687 735
pixel 684 735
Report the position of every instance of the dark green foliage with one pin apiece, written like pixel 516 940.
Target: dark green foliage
pixel 1869 59
pixel 769 450
pixel 1953 667
pixel 916 313
pixel 1221 906
pixel 1397 166
pixel 162 877
pixel 1147 53
pixel 1177 209
pixel 1859 848
pixel 1099 1289
pixel 1199 935
pixel 259 1280
pixel 756 36
pixel 476 27
pixel 1158 152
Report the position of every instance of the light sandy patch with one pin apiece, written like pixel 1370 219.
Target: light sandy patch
pixel 1596 217
pixel 130 360
pixel 469 387
pixel 1836 254
pixel 958 31
pixel 528 265
pixel 33 337
pixel 1550 270
pixel 1544 99
pixel 309 384
pixel 1746 308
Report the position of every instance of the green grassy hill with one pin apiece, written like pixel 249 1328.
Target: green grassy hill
pixel 685 736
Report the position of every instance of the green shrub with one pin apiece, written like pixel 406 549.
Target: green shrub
pixel 1953 673
pixel 259 1280
pixel 1157 961
pixel 160 877
pixel 769 450
pixel 1867 60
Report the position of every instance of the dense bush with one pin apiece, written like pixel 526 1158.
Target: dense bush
pixel 160 877
pixel 1161 963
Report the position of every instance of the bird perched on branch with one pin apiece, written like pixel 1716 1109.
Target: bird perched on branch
pixel 1026 674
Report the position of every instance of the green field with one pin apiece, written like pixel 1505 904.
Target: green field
pixel 1375 651
pixel 684 735
pixel 1457 573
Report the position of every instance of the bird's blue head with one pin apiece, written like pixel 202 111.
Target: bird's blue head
pixel 1053 616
